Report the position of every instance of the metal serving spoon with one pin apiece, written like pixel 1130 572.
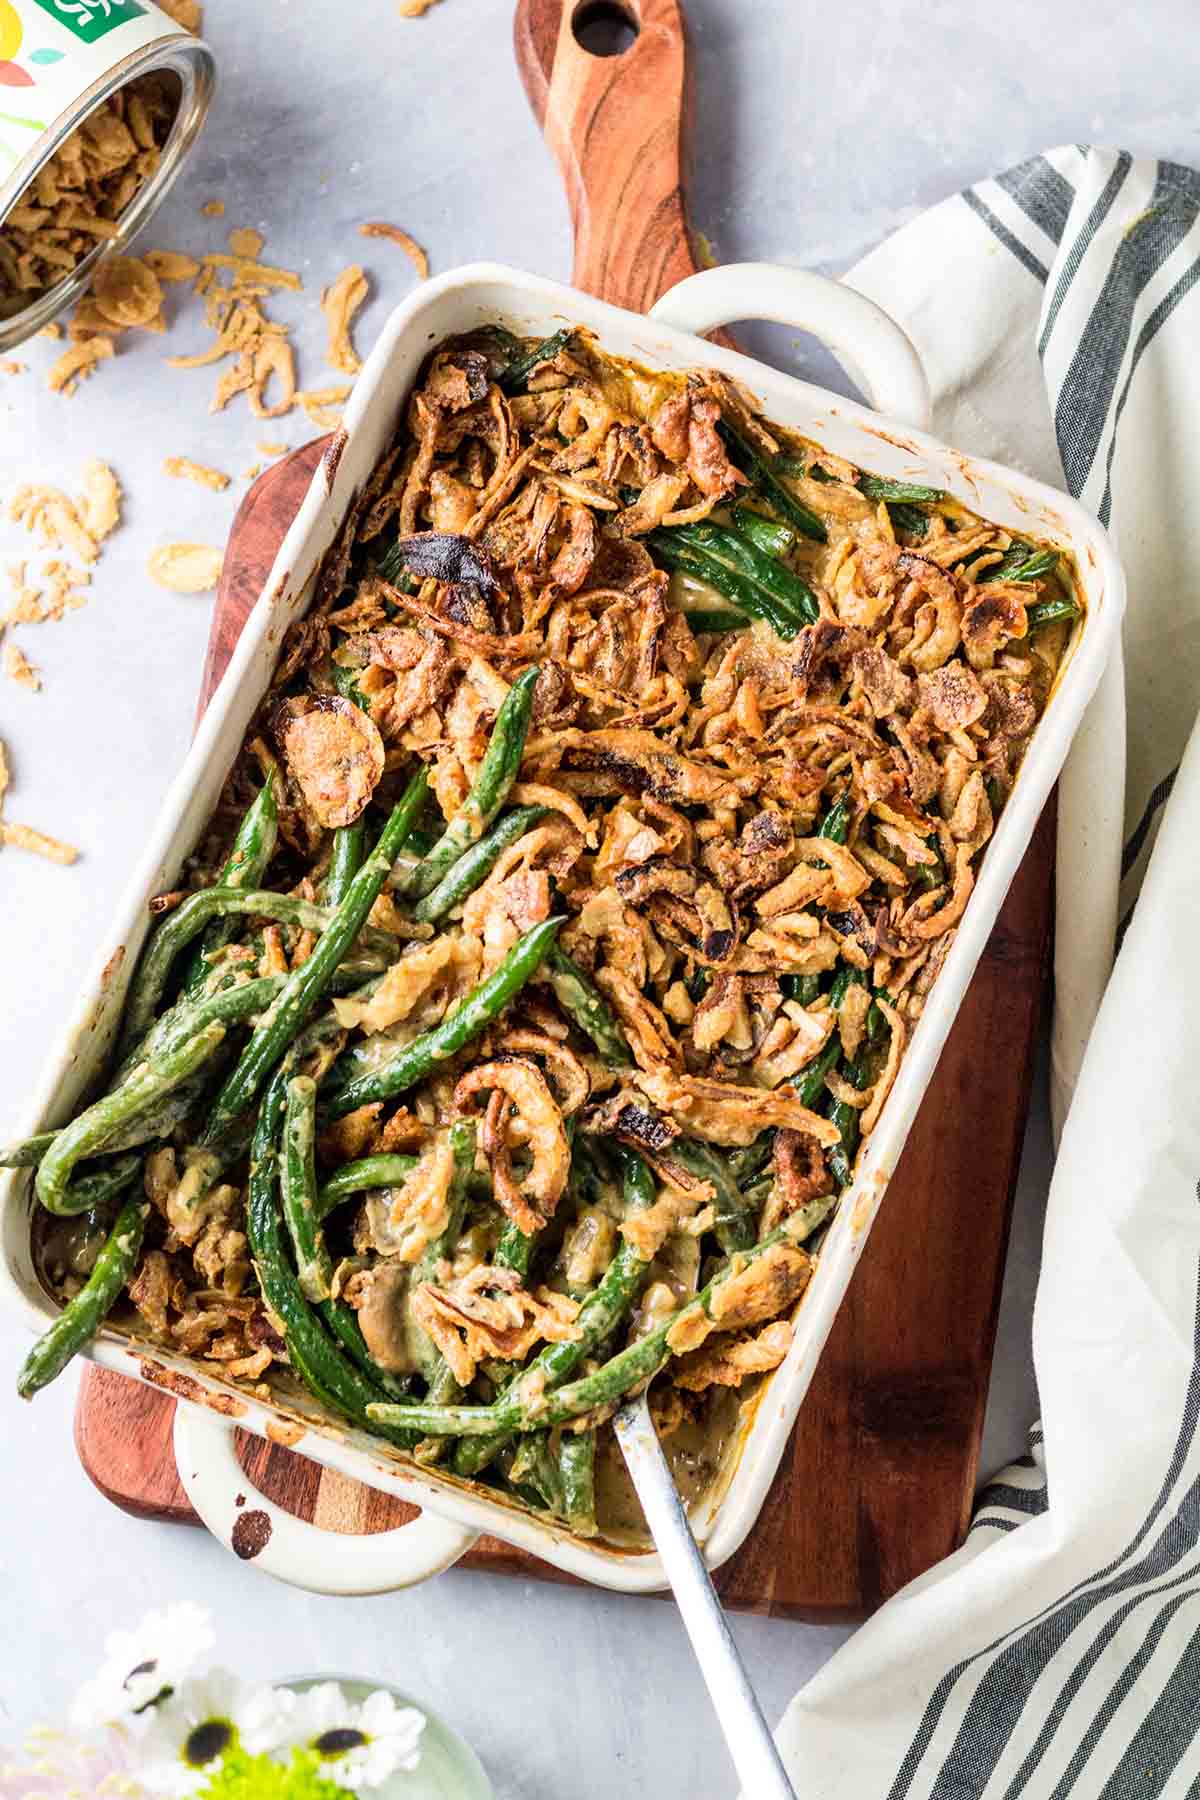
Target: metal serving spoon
pixel 746 1731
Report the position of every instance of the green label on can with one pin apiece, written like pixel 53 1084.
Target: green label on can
pixel 91 19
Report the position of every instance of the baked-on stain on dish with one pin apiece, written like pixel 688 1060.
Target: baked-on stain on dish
pixel 185 1387
pixel 250 1535
pixel 331 460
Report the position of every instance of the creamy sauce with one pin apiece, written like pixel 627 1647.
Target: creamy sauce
pixel 701 1458
pixel 65 1250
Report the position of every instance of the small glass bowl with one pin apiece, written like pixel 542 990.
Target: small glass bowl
pixel 448 1770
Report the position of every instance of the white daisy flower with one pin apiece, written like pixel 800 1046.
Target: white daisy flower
pixel 360 1746
pixel 143 1664
pixel 191 1732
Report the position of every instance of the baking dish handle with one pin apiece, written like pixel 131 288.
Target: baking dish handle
pixel 304 1555
pixel 872 346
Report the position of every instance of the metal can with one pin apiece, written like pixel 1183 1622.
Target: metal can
pixel 59 61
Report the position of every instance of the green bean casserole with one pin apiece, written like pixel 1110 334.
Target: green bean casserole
pixel 549 960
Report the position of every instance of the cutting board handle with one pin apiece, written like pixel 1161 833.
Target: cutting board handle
pixel 616 126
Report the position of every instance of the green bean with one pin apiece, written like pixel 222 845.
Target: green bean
pixel 577 1474
pixel 249 857
pixel 345 678
pixel 532 1404
pixel 167 1115
pixel 349 846
pixel 770 487
pixel 746 1163
pixel 846 977
pixel 1022 562
pixel 597 1319
pixel 836 822
pixel 932 875
pixel 359 963
pixel 360 1176
pixel 475 864
pixel 314 1265
pixel 908 519
pixel 508 344
pixel 751 600
pixel 768 587
pixel 877 487
pixel 306 984
pixel 761 567
pixel 28 1152
pixel 1050 612
pixel 797 468
pixel 315 1357
pixel 204 1164
pixel 521 367
pixel 713 618
pixel 462 1024
pixel 489 790
pixel 804 988
pixel 228 1006
pixel 86 1193
pixel 178 930
pixel 83 1316
pixel 1037 566
pixel 533 1472
pixel 514 1249
pixel 841 1156
pixel 443 1388
pixel 806 1219
pixel 586 1007
pixel 734 1223
pixel 91 1129
pixel 809 1082
pixel 697 985
pixel 766 534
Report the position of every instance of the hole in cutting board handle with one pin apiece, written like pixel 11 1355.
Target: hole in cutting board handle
pixel 604 28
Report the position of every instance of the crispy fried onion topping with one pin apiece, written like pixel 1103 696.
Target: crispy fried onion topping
pixel 759 1289
pixel 727 1361
pixel 403 1221
pixel 335 754
pixel 487 1313
pixel 723 1113
pixel 521 1114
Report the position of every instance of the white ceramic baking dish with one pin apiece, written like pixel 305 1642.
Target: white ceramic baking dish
pixel 889 441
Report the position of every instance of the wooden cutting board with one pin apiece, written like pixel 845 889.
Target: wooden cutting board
pixel 877 1482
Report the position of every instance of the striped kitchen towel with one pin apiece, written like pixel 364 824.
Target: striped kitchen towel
pixel 1058 1652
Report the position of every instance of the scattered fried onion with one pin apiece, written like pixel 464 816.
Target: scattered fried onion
pixel 376 228
pixel 340 301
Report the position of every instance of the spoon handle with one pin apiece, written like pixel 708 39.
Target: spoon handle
pixel 746 1731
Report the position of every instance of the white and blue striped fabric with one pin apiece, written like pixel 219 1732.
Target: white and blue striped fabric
pixel 1058 1652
